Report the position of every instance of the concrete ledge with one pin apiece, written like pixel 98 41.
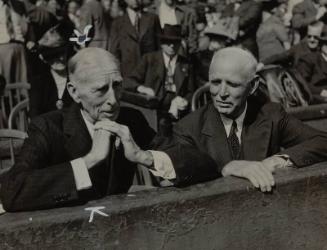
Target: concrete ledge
pixel 224 214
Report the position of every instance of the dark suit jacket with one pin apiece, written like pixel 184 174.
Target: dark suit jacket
pixel 151 72
pixel 129 46
pixel 266 129
pixel 92 13
pixel 313 68
pixel 43 177
pixel 44 93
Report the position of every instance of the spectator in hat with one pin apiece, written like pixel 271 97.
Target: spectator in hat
pixel 133 35
pixel 48 88
pixel 313 68
pixel 308 45
pixel 170 12
pixel 166 75
pixel 219 37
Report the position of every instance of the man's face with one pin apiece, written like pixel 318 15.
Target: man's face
pixel 313 38
pixel 133 4
pixel 229 88
pixel 99 95
pixel 170 48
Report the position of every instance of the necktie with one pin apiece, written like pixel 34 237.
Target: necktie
pixel 9 23
pixel 169 86
pixel 137 23
pixel 234 142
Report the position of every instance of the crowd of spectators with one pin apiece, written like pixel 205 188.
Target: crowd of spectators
pixel 35 42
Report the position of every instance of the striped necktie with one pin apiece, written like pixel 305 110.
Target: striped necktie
pixel 233 141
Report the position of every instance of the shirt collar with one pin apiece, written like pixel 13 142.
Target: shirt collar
pixel 89 125
pixel 166 59
pixel 239 120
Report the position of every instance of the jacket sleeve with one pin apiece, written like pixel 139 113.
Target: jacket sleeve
pixel 304 144
pixel 137 77
pixel 30 184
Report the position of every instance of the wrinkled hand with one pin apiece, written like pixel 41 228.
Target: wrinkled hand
pixel 321 12
pixel 100 148
pixel 123 136
pixel 255 171
pixel 145 90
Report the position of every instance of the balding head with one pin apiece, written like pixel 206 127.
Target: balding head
pixel 92 61
pixel 231 73
pixel 95 83
pixel 234 59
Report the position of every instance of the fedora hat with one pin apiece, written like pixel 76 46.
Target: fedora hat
pixel 171 32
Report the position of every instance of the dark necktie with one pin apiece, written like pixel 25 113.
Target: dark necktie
pixel 234 142
pixel 137 23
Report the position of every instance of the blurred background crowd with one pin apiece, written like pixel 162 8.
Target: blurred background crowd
pixel 164 46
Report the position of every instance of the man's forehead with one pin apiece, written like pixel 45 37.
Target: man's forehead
pixel 233 61
pixel 98 76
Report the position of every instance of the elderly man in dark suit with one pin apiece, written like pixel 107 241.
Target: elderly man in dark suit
pixel 91 149
pixel 133 35
pixel 245 138
pixel 165 74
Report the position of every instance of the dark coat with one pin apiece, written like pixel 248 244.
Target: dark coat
pixel 313 69
pixel 151 72
pixel 128 46
pixel 42 176
pixel 266 129
pixel 43 94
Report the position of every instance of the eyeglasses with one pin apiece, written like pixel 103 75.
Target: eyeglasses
pixel 313 36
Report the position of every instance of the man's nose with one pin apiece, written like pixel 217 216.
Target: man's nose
pixel 223 91
pixel 111 97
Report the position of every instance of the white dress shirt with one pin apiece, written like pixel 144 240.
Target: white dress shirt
pixel 163 166
pixel 239 122
pixel 132 15
pixel 172 62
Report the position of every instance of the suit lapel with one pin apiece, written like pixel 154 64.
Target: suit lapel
pixel 179 15
pixel 181 71
pixel 217 139
pixel 144 23
pixel 256 134
pixel 78 140
pixel 160 73
pixel 129 28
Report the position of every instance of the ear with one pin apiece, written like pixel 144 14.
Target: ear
pixel 73 92
pixel 254 84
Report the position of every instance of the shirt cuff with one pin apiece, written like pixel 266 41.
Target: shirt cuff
pixel 163 166
pixel 81 174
